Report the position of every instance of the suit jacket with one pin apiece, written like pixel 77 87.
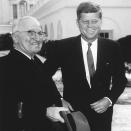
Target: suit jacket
pixel 26 88
pixel 125 47
pixel 67 54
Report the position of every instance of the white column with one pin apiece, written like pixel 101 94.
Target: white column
pixel 4 13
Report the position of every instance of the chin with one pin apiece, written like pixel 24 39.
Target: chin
pixel 37 50
pixel 92 36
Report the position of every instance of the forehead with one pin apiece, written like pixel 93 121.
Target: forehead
pixel 27 24
pixel 88 16
pixel 32 24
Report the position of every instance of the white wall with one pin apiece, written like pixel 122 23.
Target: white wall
pixel 68 21
pixel 118 19
pixel 5 29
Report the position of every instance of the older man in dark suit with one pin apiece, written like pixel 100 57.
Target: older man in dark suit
pixel 27 95
pixel 92 68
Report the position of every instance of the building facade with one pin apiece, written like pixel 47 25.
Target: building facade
pixel 58 17
pixel 11 10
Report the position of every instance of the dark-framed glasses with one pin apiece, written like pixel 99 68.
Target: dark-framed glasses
pixel 33 33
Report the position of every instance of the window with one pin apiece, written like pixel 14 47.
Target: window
pixel 15 11
pixel 106 34
pixel 31 5
pixel 23 7
pixel 46 30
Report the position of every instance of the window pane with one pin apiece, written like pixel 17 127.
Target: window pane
pixel 14 11
pixel 106 35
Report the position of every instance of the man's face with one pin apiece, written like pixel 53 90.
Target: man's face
pixel 89 25
pixel 30 41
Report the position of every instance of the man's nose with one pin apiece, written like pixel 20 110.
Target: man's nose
pixel 89 24
pixel 37 37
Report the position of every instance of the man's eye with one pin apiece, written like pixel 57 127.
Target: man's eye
pixel 85 22
pixel 31 32
pixel 94 21
pixel 40 33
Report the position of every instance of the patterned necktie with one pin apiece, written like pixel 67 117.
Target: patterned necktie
pixel 90 61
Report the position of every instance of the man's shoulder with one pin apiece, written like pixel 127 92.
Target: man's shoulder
pixel 125 39
pixel 106 39
pixel 63 43
pixel 64 40
pixel 4 58
pixel 70 40
pixel 5 62
pixel 108 42
pixel 60 46
pixel 13 57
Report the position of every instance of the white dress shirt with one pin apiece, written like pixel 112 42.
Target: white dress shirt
pixel 93 48
pixel 94 53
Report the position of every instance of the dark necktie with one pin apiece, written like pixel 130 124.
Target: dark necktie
pixel 37 65
pixel 36 60
pixel 90 61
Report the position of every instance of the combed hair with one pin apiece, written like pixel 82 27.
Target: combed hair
pixel 88 7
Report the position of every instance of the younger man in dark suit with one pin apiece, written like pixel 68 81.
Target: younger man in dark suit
pixel 26 93
pixel 92 68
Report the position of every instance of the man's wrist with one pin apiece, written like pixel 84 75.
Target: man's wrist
pixel 109 101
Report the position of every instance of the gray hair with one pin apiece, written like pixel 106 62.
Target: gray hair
pixel 24 24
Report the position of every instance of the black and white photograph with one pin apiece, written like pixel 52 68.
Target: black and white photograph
pixel 65 65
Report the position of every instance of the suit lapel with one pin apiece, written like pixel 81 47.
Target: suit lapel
pixel 99 53
pixel 102 55
pixel 80 61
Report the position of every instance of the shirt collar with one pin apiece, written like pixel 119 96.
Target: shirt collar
pixel 85 43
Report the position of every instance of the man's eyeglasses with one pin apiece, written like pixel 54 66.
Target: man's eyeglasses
pixel 34 33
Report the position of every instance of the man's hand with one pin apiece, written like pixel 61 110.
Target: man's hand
pixel 66 105
pixel 53 113
pixel 101 105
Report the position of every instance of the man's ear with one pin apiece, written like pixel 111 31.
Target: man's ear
pixel 77 23
pixel 15 37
